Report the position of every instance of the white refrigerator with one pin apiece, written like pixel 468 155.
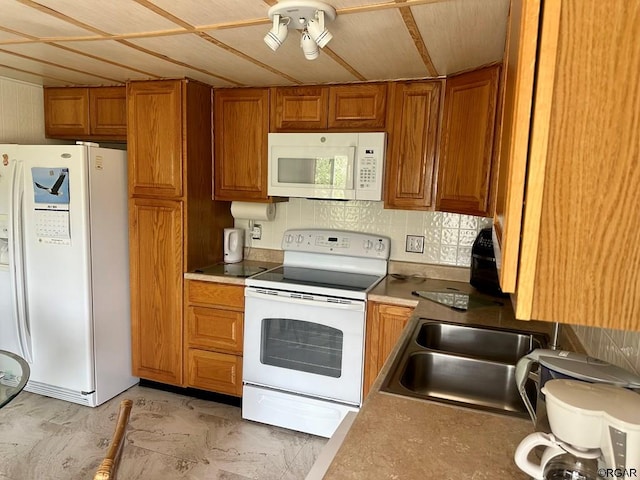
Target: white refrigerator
pixel 64 268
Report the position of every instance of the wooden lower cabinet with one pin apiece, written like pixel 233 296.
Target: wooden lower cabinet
pixel 155 245
pixel 385 323
pixel 214 315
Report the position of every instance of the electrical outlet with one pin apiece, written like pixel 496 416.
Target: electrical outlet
pixel 256 232
pixel 415 244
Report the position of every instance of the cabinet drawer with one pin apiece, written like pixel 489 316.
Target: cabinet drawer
pixel 216 372
pixel 215 294
pixel 213 328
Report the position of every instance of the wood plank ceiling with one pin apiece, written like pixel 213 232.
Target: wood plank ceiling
pixel 220 42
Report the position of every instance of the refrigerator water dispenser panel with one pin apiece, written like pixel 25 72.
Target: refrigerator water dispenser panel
pixel 4 226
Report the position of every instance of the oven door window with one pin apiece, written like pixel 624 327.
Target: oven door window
pixel 304 346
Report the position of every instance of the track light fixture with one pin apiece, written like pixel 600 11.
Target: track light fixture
pixel 309 47
pixel 278 33
pixel 305 15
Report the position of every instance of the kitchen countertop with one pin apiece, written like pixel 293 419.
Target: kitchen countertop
pixel 397 437
pixel 234 273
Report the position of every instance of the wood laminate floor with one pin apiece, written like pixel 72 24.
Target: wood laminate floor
pixel 170 436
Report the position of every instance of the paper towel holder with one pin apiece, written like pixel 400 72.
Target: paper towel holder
pixel 253 211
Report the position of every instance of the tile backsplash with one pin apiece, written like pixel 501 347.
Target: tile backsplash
pixel 448 237
pixel 619 347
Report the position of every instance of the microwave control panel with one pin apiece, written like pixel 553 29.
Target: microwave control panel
pixel 370 165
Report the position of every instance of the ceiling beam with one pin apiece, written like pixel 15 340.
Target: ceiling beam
pixel 107 36
pixel 36 74
pixel 195 29
pixel 416 36
pixel 57 65
pixel 214 41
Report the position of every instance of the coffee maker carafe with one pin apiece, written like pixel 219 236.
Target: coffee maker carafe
pixel 595 432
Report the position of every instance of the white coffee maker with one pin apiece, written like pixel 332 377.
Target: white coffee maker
pixel 595 433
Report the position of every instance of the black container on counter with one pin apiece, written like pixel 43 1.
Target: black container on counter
pixel 484 274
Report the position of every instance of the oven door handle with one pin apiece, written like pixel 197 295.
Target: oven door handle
pixel 354 305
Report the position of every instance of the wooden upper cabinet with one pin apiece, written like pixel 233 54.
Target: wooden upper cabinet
pixel 155 138
pixel 579 256
pixel 518 77
pixel 108 111
pixel 241 126
pixel 66 112
pixel 353 107
pixel 412 144
pixel 85 113
pixel 358 106
pixel 299 108
pixel 466 147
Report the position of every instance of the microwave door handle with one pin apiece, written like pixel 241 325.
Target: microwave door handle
pixel 352 167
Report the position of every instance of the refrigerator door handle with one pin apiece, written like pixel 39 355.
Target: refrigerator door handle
pixel 16 262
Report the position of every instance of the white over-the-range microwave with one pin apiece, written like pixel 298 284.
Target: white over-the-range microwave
pixel 342 166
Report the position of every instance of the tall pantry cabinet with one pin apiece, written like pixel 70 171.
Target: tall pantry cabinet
pixel 174 225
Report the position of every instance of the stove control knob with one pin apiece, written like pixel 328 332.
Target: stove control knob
pixel 299 238
pixel 380 247
pixel 368 245
pixel 288 238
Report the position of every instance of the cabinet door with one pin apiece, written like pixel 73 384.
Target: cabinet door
pixel 241 126
pixel 384 326
pixel 155 249
pixel 580 254
pixel 299 108
pixel 518 77
pixel 108 112
pixel 154 123
pixel 413 134
pixel 466 149
pixel 358 107
pixel 66 112
pixel 213 371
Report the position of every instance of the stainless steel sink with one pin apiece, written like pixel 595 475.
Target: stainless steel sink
pixel 477 342
pixel 466 365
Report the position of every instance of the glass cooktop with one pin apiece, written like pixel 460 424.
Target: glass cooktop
pixel 319 278
pixel 241 270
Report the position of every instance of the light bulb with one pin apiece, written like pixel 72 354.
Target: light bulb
pixel 318 33
pixel 278 33
pixel 309 47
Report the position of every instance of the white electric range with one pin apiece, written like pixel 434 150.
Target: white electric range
pixel 304 329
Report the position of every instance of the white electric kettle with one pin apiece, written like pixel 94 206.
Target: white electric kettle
pixel 233 245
